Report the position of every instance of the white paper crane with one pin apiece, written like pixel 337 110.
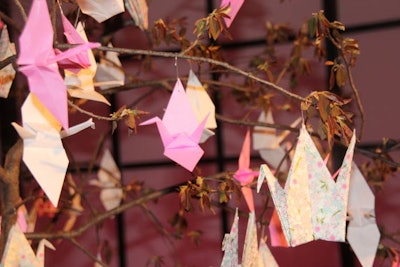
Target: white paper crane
pixel 362 232
pixel 101 10
pixel 109 71
pixel 109 181
pixel 80 84
pixel 230 244
pixel 269 143
pixel 202 105
pixel 43 153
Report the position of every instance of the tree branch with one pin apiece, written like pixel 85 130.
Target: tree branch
pixel 21 9
pixel 358 99
pixel 9 180
pixel 7 61
pixel 87 252
pixel 165 83
pixel 225 65
pixel 101 217
pixel 9 21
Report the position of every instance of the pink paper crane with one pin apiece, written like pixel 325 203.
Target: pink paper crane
pixel 244 174
pixel 179 130
pixel 39 62
pixel 234 7
pixel 80 60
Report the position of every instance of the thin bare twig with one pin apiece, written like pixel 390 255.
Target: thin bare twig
pixel 223 64
pixel 21 9
pixel 352 86
pixel 165 84
pixel 9 21
pixel 91 114
pixel 190 47
pixel 105 215
pixel 87 252
pixel 357 96
pixel 258 123
pixel 7 61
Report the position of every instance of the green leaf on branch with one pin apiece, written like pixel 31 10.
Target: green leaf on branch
pixel 312 27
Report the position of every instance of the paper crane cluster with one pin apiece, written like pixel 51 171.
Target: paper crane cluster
pixel 309 179
pixel 312 205
pixel 255 253
pixel 44 112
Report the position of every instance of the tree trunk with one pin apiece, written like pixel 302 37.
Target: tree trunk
pixel 9 180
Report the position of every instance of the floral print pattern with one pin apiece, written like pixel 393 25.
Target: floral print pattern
pixel 312 205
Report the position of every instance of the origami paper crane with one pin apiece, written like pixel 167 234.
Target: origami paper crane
pixel 250 250
pixel 268 143
pixel 396 259
pixel 18 252
pixel 276 234
pixel 7 74
pixel 179 130
pixel 41 250
pixel 362 232
pixel 202 105
pixel 230 244
pixel 101 10
pixel 22 214
pixel 139 12
pixel 253 255
pixel 293 201
pixel 80 84
pixel 39 62
pixel 80 60
pixel 234 6
pixel 109 71
pixel 21 218
pixel 328 197
pixel 267 259
pixel 44 154
pixel 109 181
pixel 244 174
